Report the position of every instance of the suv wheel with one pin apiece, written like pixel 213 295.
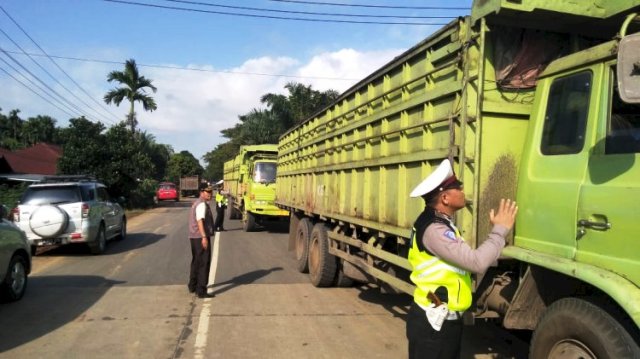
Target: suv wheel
pixel 100 244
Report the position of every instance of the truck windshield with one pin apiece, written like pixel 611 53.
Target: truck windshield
pixel 264 172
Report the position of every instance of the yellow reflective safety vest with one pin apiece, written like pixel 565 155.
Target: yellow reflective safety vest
pixel 221 199
pixel 430 272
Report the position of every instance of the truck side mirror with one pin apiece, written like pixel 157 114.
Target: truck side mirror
pixel 629 68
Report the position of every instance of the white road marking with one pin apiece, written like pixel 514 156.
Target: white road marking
pixel 203 322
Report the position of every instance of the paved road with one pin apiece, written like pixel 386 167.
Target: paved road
pixel 133 302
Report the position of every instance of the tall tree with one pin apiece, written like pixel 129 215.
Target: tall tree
pixel 183 164
pixel 133 90
pixel 84 150
pixel 301 102
pixel 267 125
pixel 39 129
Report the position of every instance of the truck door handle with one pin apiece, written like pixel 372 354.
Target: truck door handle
pixel 599 226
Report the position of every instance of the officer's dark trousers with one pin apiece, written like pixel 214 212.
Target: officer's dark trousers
pixel 426 342
pixel 200 265
pixel 219 218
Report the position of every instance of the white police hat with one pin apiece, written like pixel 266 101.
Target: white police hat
pixel 440 179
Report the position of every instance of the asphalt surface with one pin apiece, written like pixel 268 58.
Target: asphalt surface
pixel 132 302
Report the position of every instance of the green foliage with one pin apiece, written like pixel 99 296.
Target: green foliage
pixel 114 157
pixel 216 159
pixel 183 164
pixel 39 129
pixel 11 193
pixel 261 126
pixel 142 195
pixel 84 151
pixel 133 89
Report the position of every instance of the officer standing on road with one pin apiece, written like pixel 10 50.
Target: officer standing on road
pixel 221 205
pixel 442 263
pixel 200 232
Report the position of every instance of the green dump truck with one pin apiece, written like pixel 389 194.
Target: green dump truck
pixel 529 99
pixel 250 181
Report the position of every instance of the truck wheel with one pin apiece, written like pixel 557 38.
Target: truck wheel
pixel 236 213
pixel 100 244
pixel 301 244
pixel 322 265
pixel 576 328
pixel 14 283
pixel 249 222
pixel 229 213
pixel 293 228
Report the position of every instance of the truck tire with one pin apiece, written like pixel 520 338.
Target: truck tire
pixel 229 213
pixel 237 214
pixel 48 221
pixel 301 244
pixel 293 228
pixel 100 244
pixel 576 328
pixel 14 283
pixel 249 222
pixel 322 264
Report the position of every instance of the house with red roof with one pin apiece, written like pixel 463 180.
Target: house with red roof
pixel 33 162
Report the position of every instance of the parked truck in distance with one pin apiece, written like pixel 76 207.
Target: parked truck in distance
pixel 189 186
pixel 250 181
pixel 532 100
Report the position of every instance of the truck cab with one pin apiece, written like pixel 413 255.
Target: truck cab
pixel 250 180
pixel 578 191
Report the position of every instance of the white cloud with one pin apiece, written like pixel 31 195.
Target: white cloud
pixel 193 106
pixel 348 64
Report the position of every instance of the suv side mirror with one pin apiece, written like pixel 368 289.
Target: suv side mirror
pixel 629 68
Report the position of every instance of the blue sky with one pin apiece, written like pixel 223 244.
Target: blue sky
pixel 208 68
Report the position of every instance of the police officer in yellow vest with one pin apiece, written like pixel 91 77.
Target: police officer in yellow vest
pixel 442 264
pixel 221 205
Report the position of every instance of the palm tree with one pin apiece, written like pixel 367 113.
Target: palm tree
pixel 133 90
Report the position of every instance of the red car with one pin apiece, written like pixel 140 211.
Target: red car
pixel 167 191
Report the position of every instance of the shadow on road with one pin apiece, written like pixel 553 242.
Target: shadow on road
pixel 183 203
pixel 274 226
pixel 49 303
pixel 242 279
pixel 131 242
pixel 396 304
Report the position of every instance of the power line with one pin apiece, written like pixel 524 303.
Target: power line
pixel 34 84
pixel 47 72
pixel 273 17
pixel 373 6
pixel 60 98
pixel 190 69
pixel 61 69
pixel 308 12
pixel 37 94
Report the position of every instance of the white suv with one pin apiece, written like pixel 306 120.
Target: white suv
pixel 63 210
